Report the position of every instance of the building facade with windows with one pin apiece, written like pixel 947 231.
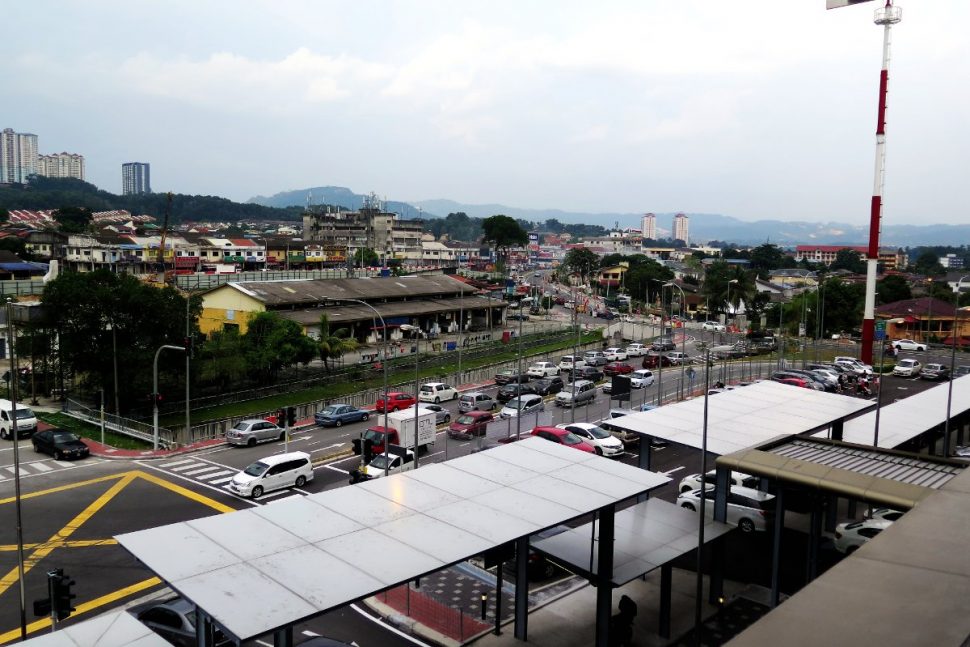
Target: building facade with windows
pixel 135 178
pixel 18 156
pixel 681 228
pixel 648 226
pixel 61 165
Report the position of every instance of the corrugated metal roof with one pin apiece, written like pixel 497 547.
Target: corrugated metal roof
pixel 905 468
pixel 346 314
pixel 309 291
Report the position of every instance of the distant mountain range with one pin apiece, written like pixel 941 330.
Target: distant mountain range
pixel 703 226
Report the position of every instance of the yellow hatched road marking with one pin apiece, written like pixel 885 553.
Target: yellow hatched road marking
pixel 75 543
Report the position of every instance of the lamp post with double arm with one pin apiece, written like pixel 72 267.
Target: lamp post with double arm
pixel 953 361
pixel 683 334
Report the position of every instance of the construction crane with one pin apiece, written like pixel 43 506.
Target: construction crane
pixel 161 244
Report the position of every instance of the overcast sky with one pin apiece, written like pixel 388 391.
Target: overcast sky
pixel 753 109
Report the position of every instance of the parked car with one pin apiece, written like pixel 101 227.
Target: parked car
pixel 615 354
pixel 510 391
pixel 468 425
pixel 747 508
pixel 961 371
pixel 654 359
pixel 617 368
pixel 396 400
pixel 590 373
pixel 563 437
pixel 908 344
pixel 693 481
pixel 339 414
pixel 851 535
pixel 713 326
pixel 594 358
pixel 677 358
pixel 887 514
pixel 542 369
pixel 548 386
pixel 641 378
pixel 441 415
pixel 636 350
pixel 938 372
pixel 59 443
pixel 576 393
pixel 802 382
pixel 523 405
pixel 250 432
pixel 517 316
pixel 510 376
pixel 437 392
pixel 568 363
pixel 173 619
pixel 663 344
pixel 475 401
pixel 859 367
pixel 603 442
pixel 907 368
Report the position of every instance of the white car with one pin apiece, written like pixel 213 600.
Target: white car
pixel 568 363
pixel 543 369
pixel 641 378
pixel 908 344
pixel 615 354
pixel 677 358
pixel 693 481
pixel 636 350
pixel 907 368
pixel 605 443
pixel 437 392
pixel 713 326
pixel 886 514
pixel 522 405
pixel 850 535
pixel 747 508
pixel 859 367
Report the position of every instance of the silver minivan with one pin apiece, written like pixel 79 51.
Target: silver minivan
pixel 523 405
pixel 576 393
pixel 273 473
pixel 475 401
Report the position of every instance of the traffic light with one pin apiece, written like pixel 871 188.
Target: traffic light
pixel 61 595
pixel 368 450
pixel 290 416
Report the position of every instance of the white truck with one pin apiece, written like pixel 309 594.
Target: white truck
pixel 401 431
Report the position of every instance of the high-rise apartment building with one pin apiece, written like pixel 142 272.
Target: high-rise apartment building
pixel 135 178
pixel 648 226
pixel 18 156
pixel 61 165
pixel 680 228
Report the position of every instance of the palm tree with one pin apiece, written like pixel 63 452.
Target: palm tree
pixel 333 344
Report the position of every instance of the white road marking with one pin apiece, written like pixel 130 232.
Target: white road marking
pixel 183 468
pixel 676 469
pixel 173 464
pixel 221 481
pixel 209 477
pixel 41 467
pixel 65 464
pixel 336 469
pixel 323 449
pixel 202 470
pixel 388 627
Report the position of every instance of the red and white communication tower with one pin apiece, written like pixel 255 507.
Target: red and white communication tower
pixel 886 16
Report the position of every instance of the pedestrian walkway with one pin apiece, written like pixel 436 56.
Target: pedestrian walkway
pixel 43 466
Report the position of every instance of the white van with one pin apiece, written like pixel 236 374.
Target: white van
pixel 273 473
pixel 26 420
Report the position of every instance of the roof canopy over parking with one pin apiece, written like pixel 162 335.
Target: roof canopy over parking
pixel 647 536
pixel 307 555
pixel 744 417
pixel 116 629
pixel 906 419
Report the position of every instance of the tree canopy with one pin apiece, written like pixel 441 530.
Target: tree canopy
pixel 893 288
pixel 849 259
pixel 73 220
pixel 503 232
pixel 727 284
pixel 767 257
pixel 582 261
pixel 928 263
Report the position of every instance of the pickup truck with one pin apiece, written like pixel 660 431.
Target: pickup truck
pixel 397 460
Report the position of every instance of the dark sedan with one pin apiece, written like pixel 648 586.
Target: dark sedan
pixel 590 373
pixel 60 444
pixel 509 376
pixel 663 344
pixel 336 415
pixel 653 360
pixel 510 391
pixel 548 386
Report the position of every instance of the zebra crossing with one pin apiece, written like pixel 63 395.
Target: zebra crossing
pixel 213 474
pixel 45 466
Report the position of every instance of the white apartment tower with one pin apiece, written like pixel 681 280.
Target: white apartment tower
pixel 680 228
pixel 135 178
pixel 61 165
pixel 18 156
pixel 648 226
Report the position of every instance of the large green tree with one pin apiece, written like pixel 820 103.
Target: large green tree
pixel 333 344
pixel 582 261
pixel 727 284
pixel 273 343
pixel 893 288
pixel 366 257
pixel 849 259
pixel 928 264
pixel 767 257
pixel 503 233
pixel 96 312
pixel 222 360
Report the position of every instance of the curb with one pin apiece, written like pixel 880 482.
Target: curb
pixel 409 625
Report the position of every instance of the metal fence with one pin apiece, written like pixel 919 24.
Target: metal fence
pixel 25 287
pixel 120 425
pixel 455 623
pixel 207 281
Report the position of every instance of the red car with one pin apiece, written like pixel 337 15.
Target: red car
pixel 563 437
pixel 617 368
pixel 472 423
pixel 396 401
pixel 794 381
pixel 653 360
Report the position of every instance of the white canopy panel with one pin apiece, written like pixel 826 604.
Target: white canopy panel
pixel 743 417
pixel 907 418
pixel 647 536
pixel 306 555
pixel 115 629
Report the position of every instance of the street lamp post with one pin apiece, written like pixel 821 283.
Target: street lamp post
pixel 953 361
pixel 155 390
pixel 660 356
pixel 383 366
pixel 15 436
pixel 683 335
pixel 518 418
pixel 417 383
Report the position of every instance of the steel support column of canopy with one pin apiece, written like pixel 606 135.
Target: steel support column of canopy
pixel 779 525
pixel 522 588
pixel 604 569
